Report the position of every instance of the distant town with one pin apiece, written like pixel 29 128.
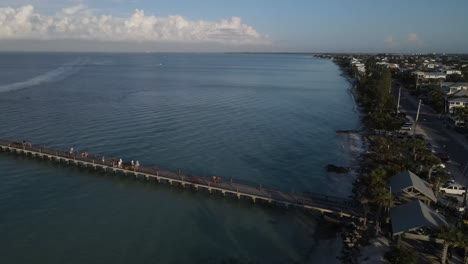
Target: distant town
pixel 413 175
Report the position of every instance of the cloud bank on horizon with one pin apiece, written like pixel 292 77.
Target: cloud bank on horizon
pixel 79 22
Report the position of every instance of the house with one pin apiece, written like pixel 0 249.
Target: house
pixel 457 102
pixel 430 75
pixel 408 186
pixel 414 215
pixel 445 85
pixel 452 87
pixel 461 93
pixel 452 72
pixel 455 87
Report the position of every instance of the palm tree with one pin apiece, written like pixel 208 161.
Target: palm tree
pixel 453 235
pixel 383 199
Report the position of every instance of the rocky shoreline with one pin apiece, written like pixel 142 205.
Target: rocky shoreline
pixel 355 237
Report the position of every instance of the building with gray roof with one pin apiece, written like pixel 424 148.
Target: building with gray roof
pixel 408 186
pixel 414 215
pixel 461 93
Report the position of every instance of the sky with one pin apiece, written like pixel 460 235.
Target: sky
pixel 243 25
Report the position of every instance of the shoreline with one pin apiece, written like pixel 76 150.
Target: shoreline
pixel 369 250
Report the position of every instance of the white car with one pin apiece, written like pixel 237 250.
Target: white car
pixel 453 189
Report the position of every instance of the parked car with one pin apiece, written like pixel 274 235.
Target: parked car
pixel 405 127
pixel 453 188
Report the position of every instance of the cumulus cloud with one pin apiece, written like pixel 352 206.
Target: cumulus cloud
pixel 80 22
pixel 413 38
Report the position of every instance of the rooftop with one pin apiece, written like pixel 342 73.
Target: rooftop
pixel 459 99
pixel 407 180
pixel 461 93
pixel 414 215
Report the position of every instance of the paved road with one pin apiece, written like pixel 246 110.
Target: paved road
pixel 432 126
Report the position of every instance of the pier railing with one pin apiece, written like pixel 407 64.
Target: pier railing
pixel 314 201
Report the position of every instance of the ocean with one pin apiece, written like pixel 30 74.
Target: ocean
pixel 262 119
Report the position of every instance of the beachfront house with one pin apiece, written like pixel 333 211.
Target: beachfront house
pixel 456 102
pixel 407 186
pixel 412 216
pixel 451 88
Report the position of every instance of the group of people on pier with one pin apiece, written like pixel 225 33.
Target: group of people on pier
pixel 135 165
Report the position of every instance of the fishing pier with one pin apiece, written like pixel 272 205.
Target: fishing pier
pixel 329 205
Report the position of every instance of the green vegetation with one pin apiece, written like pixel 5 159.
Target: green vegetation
pixel 454 78
pixel 376 99
pixel 401 255
pixel 462 114
pixel 456 236
pixel 388 153
pixel 389 156
pixel 436 98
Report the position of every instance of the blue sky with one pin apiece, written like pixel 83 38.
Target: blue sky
pixel 274 25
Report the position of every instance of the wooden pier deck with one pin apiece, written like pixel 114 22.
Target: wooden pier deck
pixel 317 202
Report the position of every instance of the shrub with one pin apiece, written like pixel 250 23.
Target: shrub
pixel 401 255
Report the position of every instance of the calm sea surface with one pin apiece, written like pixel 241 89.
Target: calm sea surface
pixel 261 119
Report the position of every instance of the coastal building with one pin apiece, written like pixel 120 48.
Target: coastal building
pixel 452 88
pixel 461 93
pixel 361 68
pixel 457 102
pixel 430 75
pixel 445 85
pixel 412 216
pixel 387 65
pixel 407 186
pixel 452 72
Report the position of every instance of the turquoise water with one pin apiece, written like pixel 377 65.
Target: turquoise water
pixel 259 119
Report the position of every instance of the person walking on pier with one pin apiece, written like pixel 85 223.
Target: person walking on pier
pixel 137 165
pixel 120 163
pixel 71 150
pixel 103 160
pixel 133 164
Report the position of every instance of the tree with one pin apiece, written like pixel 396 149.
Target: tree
pixel 384 200
pixel 436 98
pixel 454 78
pixel 462 114
pixel 454 235
pixel 401 255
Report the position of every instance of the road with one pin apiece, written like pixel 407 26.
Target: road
pixel 432 126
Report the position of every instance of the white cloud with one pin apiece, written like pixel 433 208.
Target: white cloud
pixel 74 9
pixel 79 22
pixel 413 38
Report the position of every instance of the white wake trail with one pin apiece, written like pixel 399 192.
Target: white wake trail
pixel 55 75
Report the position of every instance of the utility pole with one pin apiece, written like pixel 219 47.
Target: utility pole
pixel 398 104
pixel 416 121
pixel 414 130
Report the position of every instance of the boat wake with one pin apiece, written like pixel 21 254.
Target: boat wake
pixel 55 75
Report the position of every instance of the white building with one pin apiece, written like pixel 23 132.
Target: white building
pixel 430 75
pixel 452 88
pixel 457 102
pixel 453 72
